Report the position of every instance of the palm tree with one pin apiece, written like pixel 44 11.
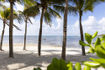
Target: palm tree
pixel 27 18
pixel 30 11
pixel 25 34
pixel 83 6
pixel 64 7
pixel 46 13
pixel 1 16
pixel 2 35
pixel 11 29
pixel 65 31
pixel 5 16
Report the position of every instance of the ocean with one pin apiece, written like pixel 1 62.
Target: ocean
pixel 72 41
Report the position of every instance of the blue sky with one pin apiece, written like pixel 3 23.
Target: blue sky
pixel 92 22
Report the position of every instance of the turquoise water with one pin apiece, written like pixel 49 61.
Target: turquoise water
pixel 72 41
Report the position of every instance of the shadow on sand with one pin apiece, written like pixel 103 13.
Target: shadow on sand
pixel 32 59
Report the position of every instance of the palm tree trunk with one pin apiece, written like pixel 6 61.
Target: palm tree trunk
pixel 11 30
pixel 40 32
pixel 65 32
pixel 25 34
pixel 2 35
pixel 81 33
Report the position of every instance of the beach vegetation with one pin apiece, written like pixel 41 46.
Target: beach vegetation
pixel 60 64
pixel 5 16
pixel 96 47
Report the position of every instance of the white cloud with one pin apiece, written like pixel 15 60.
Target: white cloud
pixel 91 25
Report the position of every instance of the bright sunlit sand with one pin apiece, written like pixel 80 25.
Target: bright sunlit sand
pixel 27 60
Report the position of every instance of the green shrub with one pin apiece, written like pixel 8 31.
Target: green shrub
pixel 57 64
pixel 60 64
pixel 97 47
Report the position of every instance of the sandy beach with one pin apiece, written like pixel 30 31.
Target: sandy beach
pixel 27 60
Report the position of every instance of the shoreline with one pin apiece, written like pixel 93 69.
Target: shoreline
pixel 35 44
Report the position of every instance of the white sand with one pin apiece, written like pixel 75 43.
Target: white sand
pixel 27 60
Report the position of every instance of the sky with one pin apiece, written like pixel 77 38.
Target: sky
pixel 91 21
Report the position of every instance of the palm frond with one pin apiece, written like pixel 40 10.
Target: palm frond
pixel 47 17
pixel 29 3
pixel 20 17
pixel 30 20
pixel 31 11
pixel 85 5
pixel 54 13
pixel 1 14
pixel 5 13
pixel 15 26
pixel 89 5
pixel 2 0
pixel 57 2
pixel 72 10
pixel 59 8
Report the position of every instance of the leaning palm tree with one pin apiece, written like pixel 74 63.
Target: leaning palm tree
pixel 25 34
pixel 26 15
pixel 4 22
pixel 47 12
pixel 5 16
pixel 83 6
pixel 30 11
pixel 2 16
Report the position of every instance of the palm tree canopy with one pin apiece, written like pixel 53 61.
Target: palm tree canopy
pixel 49 12
pixel 85 5
pixel 59 6
pixel 5 15
pixel 31 11
pixel 28 2
pixel 28 12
